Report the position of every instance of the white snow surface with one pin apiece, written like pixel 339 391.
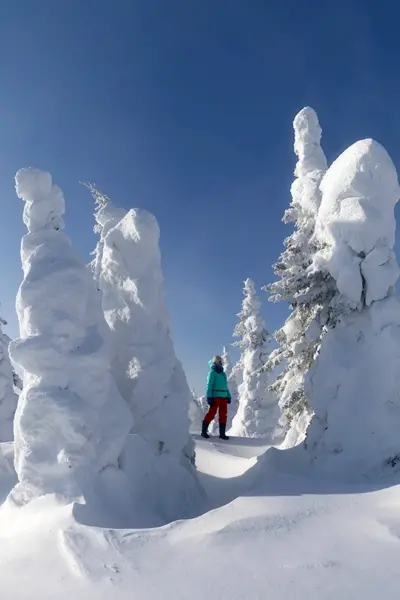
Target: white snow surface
pixel 269 531
pixel 70 422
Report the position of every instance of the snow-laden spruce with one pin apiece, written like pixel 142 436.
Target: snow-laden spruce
pixel 233 387
pixel 298 338
pixel 258 411
pixel 71 422
pixel 107 215
pixel 197 409
pixel 354 385
pixel 147 372
pixel 8 398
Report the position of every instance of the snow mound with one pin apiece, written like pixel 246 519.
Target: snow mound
pixel 70 422
pixel 282 533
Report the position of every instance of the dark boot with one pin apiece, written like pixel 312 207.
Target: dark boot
pixel 222 429
pixel 204 429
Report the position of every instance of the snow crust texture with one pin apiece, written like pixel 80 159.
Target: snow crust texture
pixel 71 421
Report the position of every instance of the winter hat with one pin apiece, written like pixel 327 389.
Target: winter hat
pixel 217 360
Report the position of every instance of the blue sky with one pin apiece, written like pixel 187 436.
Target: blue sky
pixel 185 107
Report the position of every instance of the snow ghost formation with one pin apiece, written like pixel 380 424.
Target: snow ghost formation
pixel 145 367
pixel 148 375
pixel 354 385
pixel 258 412
pixel 70 421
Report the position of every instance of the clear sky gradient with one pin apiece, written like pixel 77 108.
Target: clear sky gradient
pixel 185 107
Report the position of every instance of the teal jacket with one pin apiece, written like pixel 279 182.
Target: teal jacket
pixel 217 383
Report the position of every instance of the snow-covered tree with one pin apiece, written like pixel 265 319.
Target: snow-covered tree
pixel 106 215
pixel 147 372
pixel 233 387
pixel 71 422
pixel 298 339
pixel 258 411
pixel 197 410
pixel 354 384
pixel 8 398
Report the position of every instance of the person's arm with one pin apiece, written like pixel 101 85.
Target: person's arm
pixel 210 384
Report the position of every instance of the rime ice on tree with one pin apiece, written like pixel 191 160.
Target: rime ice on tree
pixel 354 384
pixel 8 398
pixel 233 388
pixel 258 412
pixel 197 410
pixel 70 422
pixel 145 367
pixel 299 337
pixel 146 370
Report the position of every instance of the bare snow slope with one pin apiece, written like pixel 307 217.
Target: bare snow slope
pixel 285 537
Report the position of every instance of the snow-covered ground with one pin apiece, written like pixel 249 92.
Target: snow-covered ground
pixel 264 536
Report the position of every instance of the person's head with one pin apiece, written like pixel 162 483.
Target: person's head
pixel 217 360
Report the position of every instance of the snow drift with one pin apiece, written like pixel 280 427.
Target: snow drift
pixel 354 386
pixel 71 422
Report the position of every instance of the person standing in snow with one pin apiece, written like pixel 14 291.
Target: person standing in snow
pixel 218 397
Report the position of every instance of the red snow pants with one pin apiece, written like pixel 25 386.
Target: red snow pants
pixel 221 405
